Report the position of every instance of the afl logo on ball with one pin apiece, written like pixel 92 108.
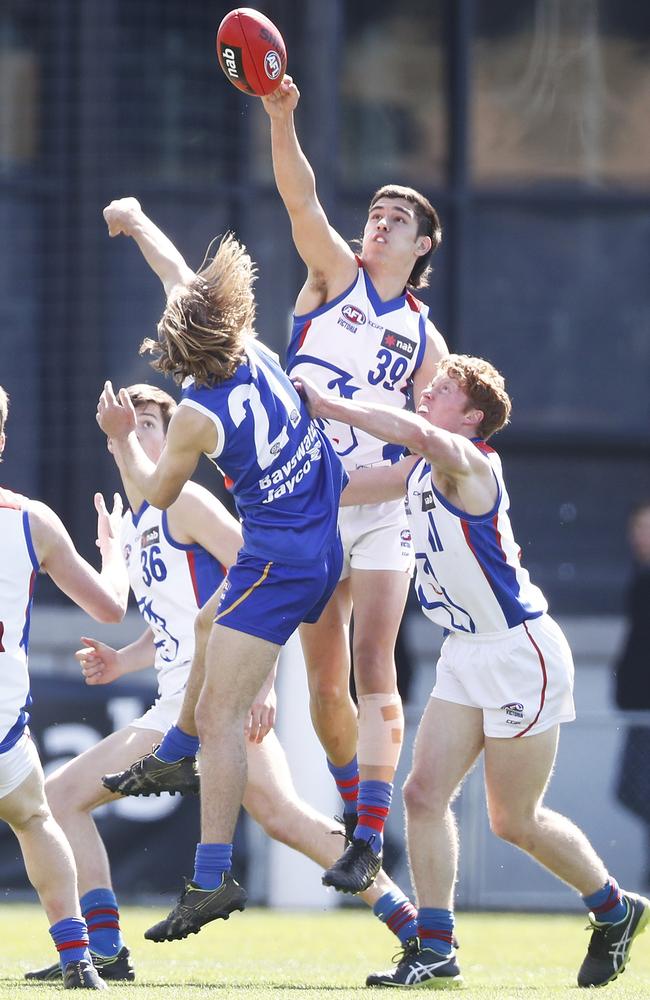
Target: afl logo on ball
pixel 272 65
pixel 353 315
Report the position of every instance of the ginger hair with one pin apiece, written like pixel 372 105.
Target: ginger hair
pixel 484 386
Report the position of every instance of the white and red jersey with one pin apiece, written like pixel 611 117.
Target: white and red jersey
pixel 18 570
pixel 170 582
pixel 364 349
pixel 469 576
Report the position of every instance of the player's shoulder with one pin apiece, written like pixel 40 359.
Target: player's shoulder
pixel 192 500
pixel 9 500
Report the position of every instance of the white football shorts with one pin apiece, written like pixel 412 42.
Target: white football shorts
pixel 522 679
pixel 163 713
pixel 376 536
pixel 17 764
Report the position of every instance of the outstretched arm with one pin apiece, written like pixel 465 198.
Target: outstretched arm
pixel 103 595
pixel 453 455
pixel 376 485
pixel 126 216
pixel 329 259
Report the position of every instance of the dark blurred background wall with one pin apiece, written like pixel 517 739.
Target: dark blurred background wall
pixel 525 122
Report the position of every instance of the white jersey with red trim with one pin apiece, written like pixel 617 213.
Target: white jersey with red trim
pixel 361 348
pixel 469 576
pixel 170 582
pixel 18 570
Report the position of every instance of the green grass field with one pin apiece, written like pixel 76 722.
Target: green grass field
pixel 267 955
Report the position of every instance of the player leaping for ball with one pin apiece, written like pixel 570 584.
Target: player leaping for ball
pixel 359 332
pixel 241 411
pixel 175 559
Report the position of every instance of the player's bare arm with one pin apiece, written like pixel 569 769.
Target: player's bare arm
pixel 102 595
pixel 102 664
pixel 329 259
pixel 377 485
pixel 461 472
pixel 197 517
pixel 189 435
pixel 436 348
pixel 125 216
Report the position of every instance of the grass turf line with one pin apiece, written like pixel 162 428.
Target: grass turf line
pixel 267 955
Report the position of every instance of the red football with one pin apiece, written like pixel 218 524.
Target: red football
pixel 251 51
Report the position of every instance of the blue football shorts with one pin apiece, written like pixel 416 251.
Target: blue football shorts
pixel 271 599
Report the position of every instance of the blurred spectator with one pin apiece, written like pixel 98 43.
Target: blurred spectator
pixel 632 675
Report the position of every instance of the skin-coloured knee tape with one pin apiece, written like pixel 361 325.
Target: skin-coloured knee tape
pixel 381 730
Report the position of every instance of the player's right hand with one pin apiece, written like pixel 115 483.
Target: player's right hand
pixel 309 393
pixel 100 664
pixel 121 214
pixel 282 101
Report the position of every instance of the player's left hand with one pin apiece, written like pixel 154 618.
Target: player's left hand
pixel 100 664
pixel 115 414
pixel 309 393
pixel 108 525
pixel 283 101
pixel 261 717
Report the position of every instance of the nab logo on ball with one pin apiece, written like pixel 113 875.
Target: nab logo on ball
pixel 251 51
pixel 232 62
pixel 272 65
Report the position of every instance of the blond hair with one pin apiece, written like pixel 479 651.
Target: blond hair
pixel 485 388
pixel 203 329
pixel 140 394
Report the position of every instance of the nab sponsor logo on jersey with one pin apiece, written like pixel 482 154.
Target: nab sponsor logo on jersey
pixel 351 317
pixel 400 345
pixel 428 503
pixel 150 537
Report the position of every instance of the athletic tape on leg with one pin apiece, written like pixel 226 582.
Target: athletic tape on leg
pixel 381 730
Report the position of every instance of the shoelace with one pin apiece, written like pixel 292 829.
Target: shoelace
pixel 411 947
